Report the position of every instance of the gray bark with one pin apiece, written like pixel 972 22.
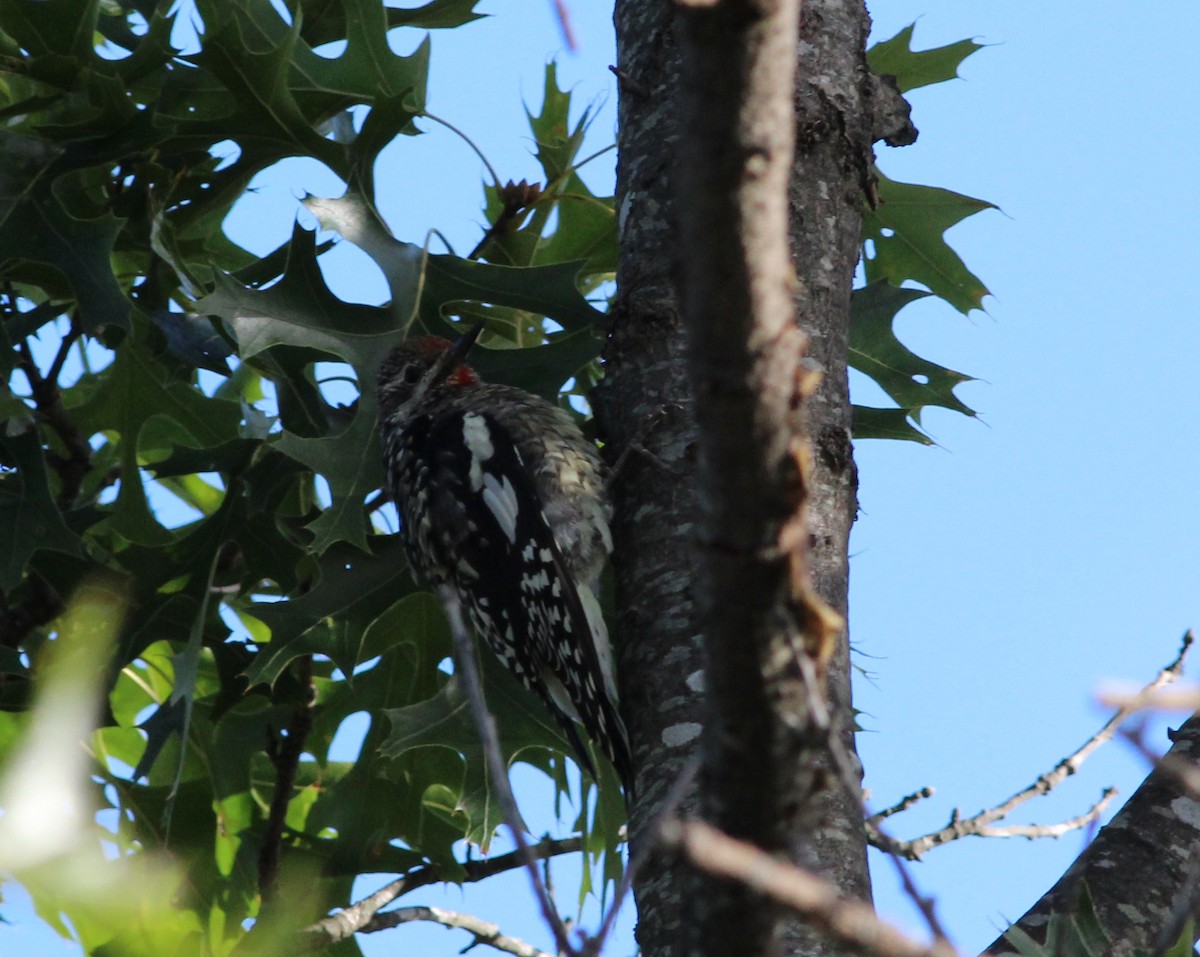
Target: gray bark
pixel 645 400
pixel 644 408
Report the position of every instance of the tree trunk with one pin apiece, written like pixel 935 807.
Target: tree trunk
pixel 645 402
pixel 645 411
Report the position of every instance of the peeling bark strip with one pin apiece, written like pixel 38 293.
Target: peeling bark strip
pixel 767 635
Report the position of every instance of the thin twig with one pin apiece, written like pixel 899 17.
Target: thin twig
pixel 1034 831
pixel 902 805
pixel 466 139
pixel 47 399
pixel 849 774
pixel 467 671
pixel 285 755
pixel 925 904
pixel 851 922
pixel 564 24
pixel 1185 772
pixel 629 84
pixel 977 824
pixel 483 931
pixel 361 916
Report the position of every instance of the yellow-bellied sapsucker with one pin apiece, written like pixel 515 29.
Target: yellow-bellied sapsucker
pixel 502 498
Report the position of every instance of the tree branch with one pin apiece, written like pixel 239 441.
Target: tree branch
pixel 483 931
pixel 360 916
pixel 979 824
pixel 850 922
pixel 902 805
pixel 286 758
pixel 767 635
pixel 467 671
pixel 47 398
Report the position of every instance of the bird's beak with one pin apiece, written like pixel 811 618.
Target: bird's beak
pixel 456 355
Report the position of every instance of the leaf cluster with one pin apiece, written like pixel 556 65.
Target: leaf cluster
pixel 173 420
pixel 906 258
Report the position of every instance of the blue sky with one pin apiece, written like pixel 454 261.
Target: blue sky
pixel 1036 553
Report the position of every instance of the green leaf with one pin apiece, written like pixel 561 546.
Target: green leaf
pixel 586 229
pixel 550 291
pixel 58 29
pixel 41 230
pixel 249 49
pixel 557 143
pixel 436 15
pixel 539 369
pixel 912 382
pixel 895 57
pixel 300 311
pixel 175 714
pixel 445 721
pixel 905 230
pixel 1184 944
pixel 29 517
pixel 872 423
pixel 354 589
pixel 132 391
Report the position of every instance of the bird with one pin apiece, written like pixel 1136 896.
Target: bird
pixel 503 500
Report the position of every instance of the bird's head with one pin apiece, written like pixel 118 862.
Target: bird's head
pixel 421 366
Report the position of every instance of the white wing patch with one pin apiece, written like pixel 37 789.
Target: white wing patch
pixel 479 442
pixel 501 500
pixel 559 694
pixel 604 652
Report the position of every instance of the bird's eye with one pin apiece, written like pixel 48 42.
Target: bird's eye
pixel 411 374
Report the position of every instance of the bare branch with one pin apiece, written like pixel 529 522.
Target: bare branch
pixel 1183 770
pixel 979 824
pixel 47 398
pixel 902 805
pixel 1175 699
pixel 1033 831
pixel 467 670
pixel 359 917
pixel 483 931
pixel 851 922
pixel 976 826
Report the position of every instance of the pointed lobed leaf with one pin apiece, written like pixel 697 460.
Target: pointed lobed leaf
pixel 913 69
pixel 132 391
pixel 550 291
pixel 436 15
pixel 905 234
pixel 353 590
pixel 557 142
pixel 300 311
pixel 41 230
pixel 912 382
pixel 445 721
pixel 872 423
